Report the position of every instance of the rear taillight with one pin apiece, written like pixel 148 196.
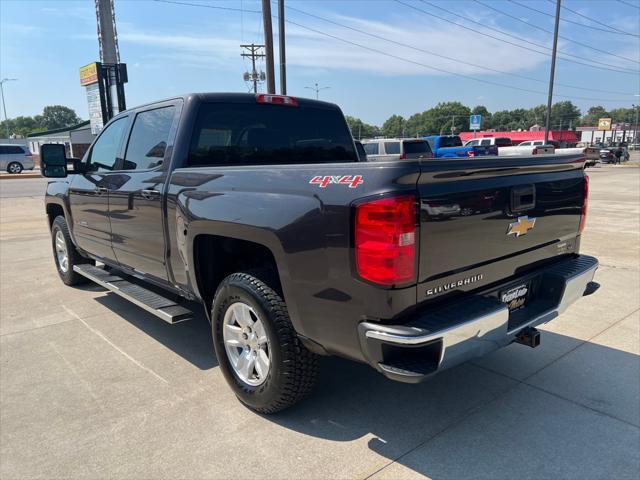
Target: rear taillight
pixel 583 217
pixel 385 240
pixel 28 154
pixel 403 156
pixel 534 151
pixel 276 99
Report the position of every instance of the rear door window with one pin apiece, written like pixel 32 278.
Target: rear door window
pixel 11 149
pixel 371 148
pixel 392 148
pixel 416 148
pixel 263 134
pixel 454 141
pixel 148 140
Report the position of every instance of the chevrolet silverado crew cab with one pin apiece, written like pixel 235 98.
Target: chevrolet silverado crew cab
pixel 258 208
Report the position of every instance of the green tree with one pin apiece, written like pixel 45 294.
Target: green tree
pixel 619 115
pixel 593 114
pixel 359 129
pixel 394 126
pixel 564 114
pixel 447 117
pixel 59 116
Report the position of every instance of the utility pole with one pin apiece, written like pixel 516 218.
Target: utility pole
pixel 317 89
pixel 281 49
pixel 268 46
pixel 553 72
pixel 4 105
pixel 453 124
pixel 253 53
pixel 636 136
pixel 115 72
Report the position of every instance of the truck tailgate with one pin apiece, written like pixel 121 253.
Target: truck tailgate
pixel 487 219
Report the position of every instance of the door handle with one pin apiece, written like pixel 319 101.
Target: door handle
pixel 150 194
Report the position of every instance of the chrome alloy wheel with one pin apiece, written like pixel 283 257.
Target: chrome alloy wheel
pixel 15 168
pixel 61 252
pixel 246 343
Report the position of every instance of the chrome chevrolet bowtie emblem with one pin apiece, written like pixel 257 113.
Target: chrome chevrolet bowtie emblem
pixel 522 226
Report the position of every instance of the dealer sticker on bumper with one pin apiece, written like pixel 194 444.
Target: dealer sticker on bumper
pixel 515 297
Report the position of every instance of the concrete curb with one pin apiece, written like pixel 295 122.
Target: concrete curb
pixel 6 176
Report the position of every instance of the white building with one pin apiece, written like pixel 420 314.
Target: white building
pixel 619 133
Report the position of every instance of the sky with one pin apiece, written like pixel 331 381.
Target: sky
pixel 377 57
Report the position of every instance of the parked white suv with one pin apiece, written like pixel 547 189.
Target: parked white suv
pixel 396 149
pixel 15 158
pixel 488 141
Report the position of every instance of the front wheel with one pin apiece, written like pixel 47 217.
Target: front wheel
pixel 14 167
pixel 65 253
pixel 259 352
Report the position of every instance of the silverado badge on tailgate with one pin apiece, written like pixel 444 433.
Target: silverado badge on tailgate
pixel 521 226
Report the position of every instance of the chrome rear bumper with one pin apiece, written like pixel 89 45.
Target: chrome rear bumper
pixel 471 327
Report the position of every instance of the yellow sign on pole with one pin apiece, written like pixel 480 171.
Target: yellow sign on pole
pixel 89 74
pixel 604 124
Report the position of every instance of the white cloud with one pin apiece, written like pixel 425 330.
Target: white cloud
pixel 311 50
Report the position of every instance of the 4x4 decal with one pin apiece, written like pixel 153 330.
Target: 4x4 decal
pixel 322 181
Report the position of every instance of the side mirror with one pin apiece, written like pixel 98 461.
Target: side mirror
pixel 53 160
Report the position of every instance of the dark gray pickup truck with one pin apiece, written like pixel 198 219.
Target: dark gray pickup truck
pixel 259 208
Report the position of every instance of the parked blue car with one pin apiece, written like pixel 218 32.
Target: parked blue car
pixel 450 146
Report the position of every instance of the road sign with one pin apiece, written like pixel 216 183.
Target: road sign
pixel 604 124
pixel 474 122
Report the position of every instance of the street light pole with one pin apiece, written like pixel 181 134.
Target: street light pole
pixel 4 105
pixel 317 89
pixel 552 74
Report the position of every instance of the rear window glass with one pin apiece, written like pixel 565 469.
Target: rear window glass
pixel 361 153
pixel 371 148
pixel 256 134
pixel 416 147
pixel 450 142
pixel 392 148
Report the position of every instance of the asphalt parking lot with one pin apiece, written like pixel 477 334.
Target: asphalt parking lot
pixel 94 387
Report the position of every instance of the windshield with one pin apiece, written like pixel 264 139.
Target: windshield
pixel 453 141
pixel 256 134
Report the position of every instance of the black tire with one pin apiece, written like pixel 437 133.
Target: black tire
pixel 68 276
pixel 293 369
pixel 14 167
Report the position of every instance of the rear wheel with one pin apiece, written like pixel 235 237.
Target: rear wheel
pixel 14 167
pixel 65 253
pixel 259 352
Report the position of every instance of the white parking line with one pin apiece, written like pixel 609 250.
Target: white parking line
pixel 98 333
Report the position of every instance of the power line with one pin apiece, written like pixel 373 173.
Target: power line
pixel 613 68
pixel 390 55
pixel 594 21
pixel 485 5
pixel 571 21
pixel 430 67
pixel 230 9
pixel 629 4
pixel 429 52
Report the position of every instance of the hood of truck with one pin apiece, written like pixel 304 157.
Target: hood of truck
pixel 483 220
